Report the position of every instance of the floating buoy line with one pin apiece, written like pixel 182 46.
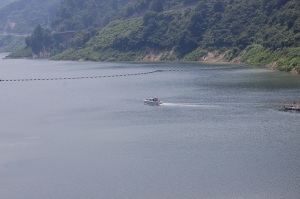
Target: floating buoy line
pixel 113 76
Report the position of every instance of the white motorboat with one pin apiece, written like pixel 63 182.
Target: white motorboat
pixel 152 101
pixel 293 107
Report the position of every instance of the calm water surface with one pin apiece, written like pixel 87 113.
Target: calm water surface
pixel 219 134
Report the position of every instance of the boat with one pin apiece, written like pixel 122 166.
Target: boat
pixel 153 101
pixel 294 107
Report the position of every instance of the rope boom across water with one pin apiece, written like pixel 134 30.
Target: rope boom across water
pixel 111 76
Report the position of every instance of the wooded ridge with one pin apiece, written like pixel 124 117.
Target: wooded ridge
pixel 258 32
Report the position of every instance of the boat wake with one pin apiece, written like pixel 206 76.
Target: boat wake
pixel 189 105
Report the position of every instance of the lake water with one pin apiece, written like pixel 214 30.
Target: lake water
pixel 220 133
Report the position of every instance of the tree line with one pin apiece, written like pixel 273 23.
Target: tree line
pixel 189 28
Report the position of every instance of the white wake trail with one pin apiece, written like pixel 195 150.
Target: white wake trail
pixel 196 105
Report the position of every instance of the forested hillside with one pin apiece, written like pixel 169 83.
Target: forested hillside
pixel 83 14
pixel 21 16
pixel 254 31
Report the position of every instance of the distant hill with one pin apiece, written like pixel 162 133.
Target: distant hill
pixel 21 16
pixel 261 32
pixel 83 14
pixel 255 31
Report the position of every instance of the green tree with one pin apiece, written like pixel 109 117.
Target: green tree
pixel 40 40
pixel 37 40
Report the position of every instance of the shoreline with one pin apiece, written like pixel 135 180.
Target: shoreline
pixel 210 58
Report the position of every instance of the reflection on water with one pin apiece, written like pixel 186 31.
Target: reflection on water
pixel 218 134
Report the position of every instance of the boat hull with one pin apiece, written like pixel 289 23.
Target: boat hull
pixel 152 102
pixel 292 108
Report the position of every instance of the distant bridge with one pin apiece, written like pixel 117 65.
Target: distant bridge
pixel 14 34
pixel 64 32
pixel 64 36
pixel 25 35
pixel 61 36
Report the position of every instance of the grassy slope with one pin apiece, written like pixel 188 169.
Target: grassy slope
pixel 100 47
pixel 287 59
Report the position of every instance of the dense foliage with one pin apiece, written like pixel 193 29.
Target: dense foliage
pixel 40 41
pixel 255 31
pixel 138 7
pixel 83 14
